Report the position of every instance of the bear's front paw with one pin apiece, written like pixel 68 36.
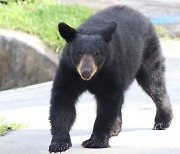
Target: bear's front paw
pixel 93 143
pixel 59 146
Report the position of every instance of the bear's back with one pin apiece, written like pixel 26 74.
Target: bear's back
pixel 127 19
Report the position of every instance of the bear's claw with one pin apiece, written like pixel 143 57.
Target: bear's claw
pixel 59 146
pixel 91 143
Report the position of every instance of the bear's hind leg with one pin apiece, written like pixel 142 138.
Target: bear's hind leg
pixel 116 128
pixel 151 79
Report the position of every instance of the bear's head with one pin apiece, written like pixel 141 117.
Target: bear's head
pixel 87 50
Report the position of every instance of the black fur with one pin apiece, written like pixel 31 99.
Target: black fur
pixel 128 49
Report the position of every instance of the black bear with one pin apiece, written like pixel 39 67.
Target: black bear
pixel 104 55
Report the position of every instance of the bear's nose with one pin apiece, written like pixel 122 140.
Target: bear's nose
pixel 86 74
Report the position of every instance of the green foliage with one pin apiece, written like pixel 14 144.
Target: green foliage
pixel 21 1
pixel 41 18
pixel 163 32
pixel 6 127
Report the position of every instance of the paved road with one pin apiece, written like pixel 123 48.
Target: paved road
pixel 148 7
pixel 30 106
pixel 152 7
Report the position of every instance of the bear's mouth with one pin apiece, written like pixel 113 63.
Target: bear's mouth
pixel 87 67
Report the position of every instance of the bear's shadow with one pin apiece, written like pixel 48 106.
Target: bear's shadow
pixel 135 129
pixel 84 132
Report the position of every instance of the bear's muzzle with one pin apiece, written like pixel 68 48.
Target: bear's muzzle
pixel 87 67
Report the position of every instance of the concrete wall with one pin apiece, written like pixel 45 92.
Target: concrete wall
pixel 24 60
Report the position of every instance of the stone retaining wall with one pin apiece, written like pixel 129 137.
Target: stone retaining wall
pixel 24 60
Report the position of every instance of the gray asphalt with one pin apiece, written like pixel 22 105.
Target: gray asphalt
pixel 148 7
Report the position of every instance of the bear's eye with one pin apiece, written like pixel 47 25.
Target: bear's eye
pixel 79 53
pixel 97 54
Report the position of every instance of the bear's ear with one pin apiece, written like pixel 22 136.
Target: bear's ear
pixel 108 30
pixel 66 31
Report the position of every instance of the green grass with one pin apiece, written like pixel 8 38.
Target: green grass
pixel 41 18
pixel 7 127
pixel 164 33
